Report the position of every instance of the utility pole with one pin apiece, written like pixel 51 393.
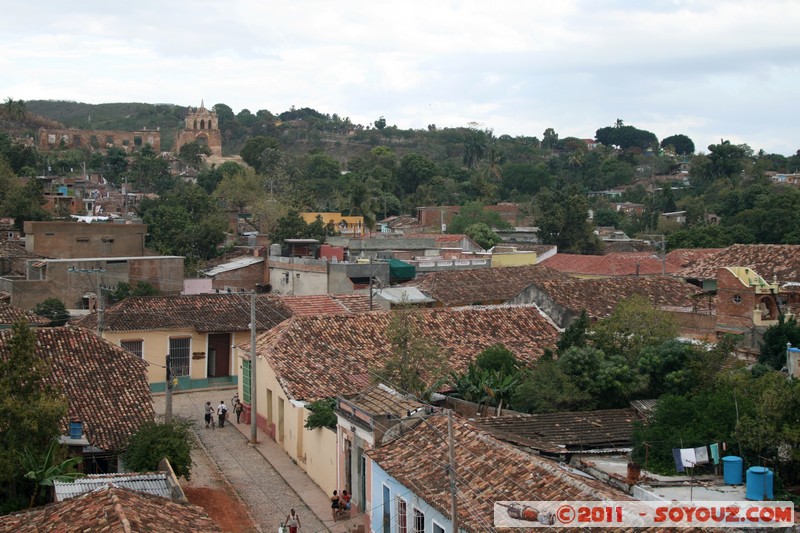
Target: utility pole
pixel 253 357
pixel 452 468
pixel 168 409
pixel 371 273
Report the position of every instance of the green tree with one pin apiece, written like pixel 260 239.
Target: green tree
pixel 155 441
pixel 124 290
pixel 289 226
pixel 626 137
pixel 184 221
pixel 474 213
pixel 417 365
pixel 31 410
pixel 773 342
pixel 562 217
pixel 547 388
pixel 575 334
pixel 24 203
pixel 415 170
pixel 254 147
pixel 498 358
pixel 380 124
pixel 682 144
pixel 53 309
pixel 634 325
pixel 192 153
pixel 482 235
pixel 322 414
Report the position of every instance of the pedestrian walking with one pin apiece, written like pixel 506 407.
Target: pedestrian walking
pixel 293 522
pixel 335 504
pixel 209 414
pixel 238 408
pixel 221 411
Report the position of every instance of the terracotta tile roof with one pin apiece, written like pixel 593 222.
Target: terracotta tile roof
pixel 313 305
pixel 9 314
pixel 564 431
pixel 381 400
pixel 613 264
pixel 781 261
pixel 106 386
pixel 600 296
pixel 328 355
pixel 15 256
pixel 110 510
pixel 203 312
pixel 488 470
pixel 484 285
pixel 355 303
pixel 684 257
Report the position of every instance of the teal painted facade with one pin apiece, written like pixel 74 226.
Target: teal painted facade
pixel 186 383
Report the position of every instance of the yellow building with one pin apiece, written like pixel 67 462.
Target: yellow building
pixel 198 331
pixel 346 225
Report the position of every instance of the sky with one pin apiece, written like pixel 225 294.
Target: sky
pixel 711 70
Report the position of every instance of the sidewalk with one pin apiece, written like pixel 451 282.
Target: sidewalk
pixel 313 496
pixel 264 476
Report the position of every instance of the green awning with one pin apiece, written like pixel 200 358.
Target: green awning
pixel 400 270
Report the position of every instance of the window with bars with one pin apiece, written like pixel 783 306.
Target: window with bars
pixel 419 521
pixel 402 516
pixel 180 355
pixel 437 528
pixel 134 347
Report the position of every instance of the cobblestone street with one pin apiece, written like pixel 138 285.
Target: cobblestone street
pixel 262 489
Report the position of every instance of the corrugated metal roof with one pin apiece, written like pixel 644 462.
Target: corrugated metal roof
pixel 234 265
pixel 154 483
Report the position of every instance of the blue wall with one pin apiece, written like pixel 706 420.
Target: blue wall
pixel 381 479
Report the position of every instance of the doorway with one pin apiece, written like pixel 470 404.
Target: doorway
pixel 219 354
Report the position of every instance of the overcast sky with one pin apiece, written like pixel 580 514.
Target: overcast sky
pixel 709 69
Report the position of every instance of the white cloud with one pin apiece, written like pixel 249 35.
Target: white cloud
pixel 705 68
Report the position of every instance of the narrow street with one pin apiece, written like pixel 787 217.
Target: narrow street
pixel 263 490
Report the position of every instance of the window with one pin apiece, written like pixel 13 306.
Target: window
pixel 386 508
pixel 134 347
pixel 737 298
pixel 419 521
pixel 437 528
pixel 402 516
pixel 179 351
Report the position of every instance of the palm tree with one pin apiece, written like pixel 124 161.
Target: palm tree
pixel 14 109
pixel 493 171
pixel 474 148
pixel 618 123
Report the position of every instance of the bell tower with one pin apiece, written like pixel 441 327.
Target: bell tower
pixel 201 126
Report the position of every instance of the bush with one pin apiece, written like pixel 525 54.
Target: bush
pixel 54 309
pixel 322 415
pixel 155 441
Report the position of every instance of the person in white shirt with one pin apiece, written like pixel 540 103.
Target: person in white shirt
pixel 221 411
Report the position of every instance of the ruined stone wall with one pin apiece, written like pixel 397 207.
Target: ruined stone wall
pixel 130 141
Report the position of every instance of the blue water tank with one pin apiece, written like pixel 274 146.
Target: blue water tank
pixel 759 483
pixel 732 470
pixel 75 430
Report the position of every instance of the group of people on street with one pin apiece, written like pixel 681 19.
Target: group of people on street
pixel 222 411
pixel 339 503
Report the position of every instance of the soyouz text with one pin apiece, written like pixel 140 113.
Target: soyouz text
pixel 632 513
